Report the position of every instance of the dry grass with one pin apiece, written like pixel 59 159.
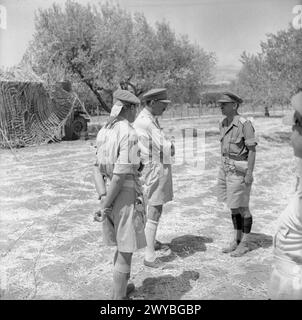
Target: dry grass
pixel 52 249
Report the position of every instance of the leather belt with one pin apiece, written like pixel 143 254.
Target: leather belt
pixel 234 157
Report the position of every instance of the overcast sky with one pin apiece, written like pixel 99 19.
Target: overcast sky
pixel 226 27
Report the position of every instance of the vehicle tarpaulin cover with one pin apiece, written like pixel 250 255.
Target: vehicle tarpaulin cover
pixel 33 113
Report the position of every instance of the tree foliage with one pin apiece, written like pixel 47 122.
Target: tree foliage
pixel 273 75
pixel 106 47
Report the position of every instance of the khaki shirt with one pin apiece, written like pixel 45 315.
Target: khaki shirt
pixel 236 137
pixel 117 149
pixel 288 238
pixel 153 144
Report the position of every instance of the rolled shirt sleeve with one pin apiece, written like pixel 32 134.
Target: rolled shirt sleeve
pixel 249 134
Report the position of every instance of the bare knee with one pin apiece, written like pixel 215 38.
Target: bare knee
pixel 125 257
pixel 123 262
pixel 245 212
pixel 235 211
pixel 154 212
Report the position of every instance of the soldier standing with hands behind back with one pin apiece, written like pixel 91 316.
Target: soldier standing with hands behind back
pixel 117 160
pixel 237 137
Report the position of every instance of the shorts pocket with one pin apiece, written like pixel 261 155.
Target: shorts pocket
pixel 151 173
pixel 241 166
pixel 139 216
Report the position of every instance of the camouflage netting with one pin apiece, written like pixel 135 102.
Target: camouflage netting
pixel 32 113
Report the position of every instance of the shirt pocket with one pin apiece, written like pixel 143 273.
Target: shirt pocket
pixel 237 144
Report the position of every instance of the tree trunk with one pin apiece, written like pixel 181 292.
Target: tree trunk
pixel 99 97
pixel 90 85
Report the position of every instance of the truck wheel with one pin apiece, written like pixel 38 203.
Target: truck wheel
pixel 78 126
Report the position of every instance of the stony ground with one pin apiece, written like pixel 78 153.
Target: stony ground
pixel 52 249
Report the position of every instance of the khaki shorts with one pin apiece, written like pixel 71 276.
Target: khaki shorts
pixel 232 189
pixel 157 183
pixel 124 226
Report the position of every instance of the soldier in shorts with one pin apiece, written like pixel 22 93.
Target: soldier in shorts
pixel 118 162
pixel 237 137
pixel 156 151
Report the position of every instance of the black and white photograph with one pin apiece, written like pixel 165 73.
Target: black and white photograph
pixel 150 150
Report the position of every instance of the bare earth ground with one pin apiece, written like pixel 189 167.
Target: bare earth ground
pixel 52 249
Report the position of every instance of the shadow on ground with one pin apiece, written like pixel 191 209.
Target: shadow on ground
pixel 166 287
pixel 185 246
pixel 211 133
pixel 260 240
pixel 278 137
pixel 270 117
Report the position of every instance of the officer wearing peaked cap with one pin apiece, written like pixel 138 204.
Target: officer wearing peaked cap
pixel 237 137
pixel 156 151
pixel 156 95
pixel 230 97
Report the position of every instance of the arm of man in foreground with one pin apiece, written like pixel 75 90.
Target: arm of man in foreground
pixel 250 165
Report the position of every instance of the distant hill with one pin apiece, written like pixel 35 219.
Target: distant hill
pixel 225 74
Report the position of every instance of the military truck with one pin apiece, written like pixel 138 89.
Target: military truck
pixel 76 126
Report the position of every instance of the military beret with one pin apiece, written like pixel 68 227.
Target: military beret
pixel 159 94
pixel 229 97
pixel 125 96
pixel 296 102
